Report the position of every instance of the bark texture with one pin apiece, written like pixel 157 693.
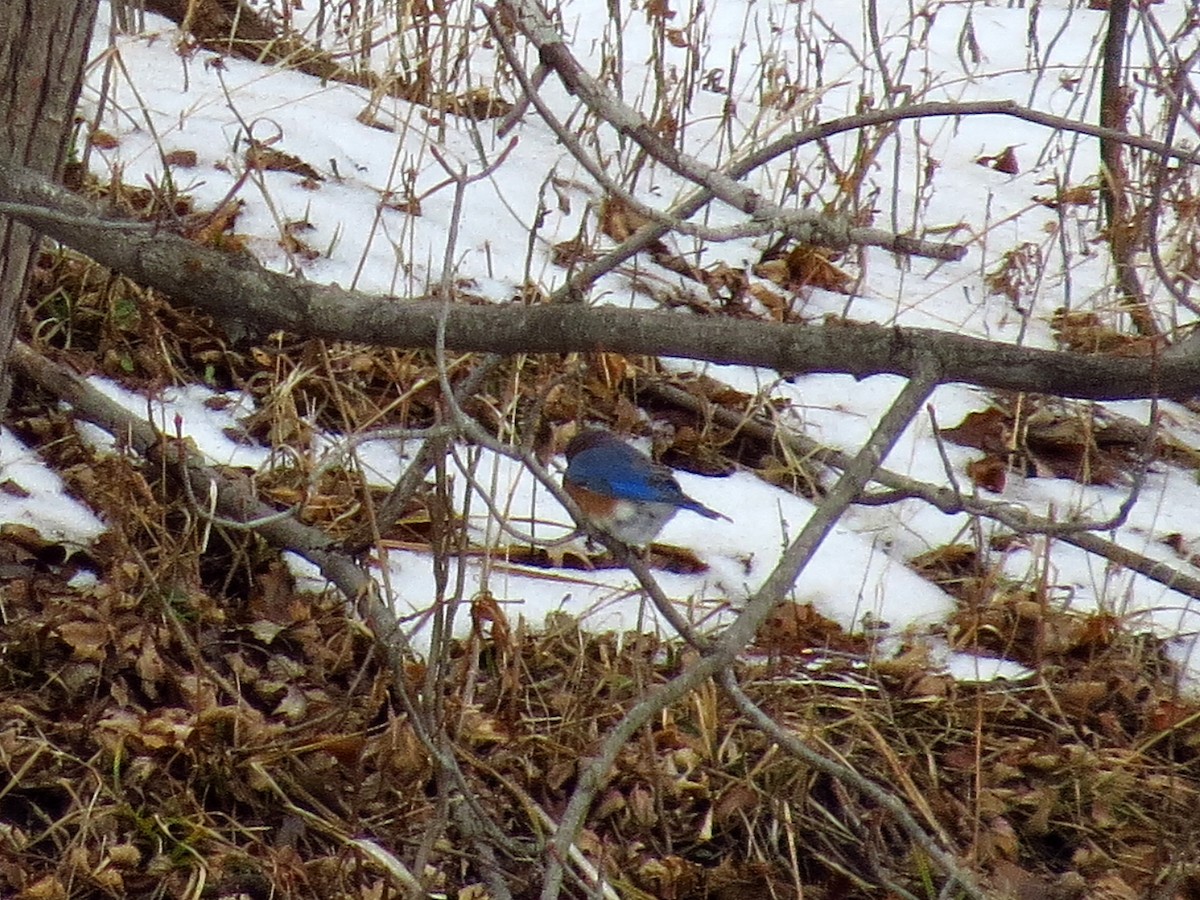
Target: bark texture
pixel 237 288
pixel 43 49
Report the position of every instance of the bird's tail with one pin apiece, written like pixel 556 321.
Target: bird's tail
pixel 697 506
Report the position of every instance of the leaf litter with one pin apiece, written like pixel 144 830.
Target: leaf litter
pixel 189 711
pixel 187 717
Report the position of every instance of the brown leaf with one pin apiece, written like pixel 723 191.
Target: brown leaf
pixel 1064 446
pixel 1111 886
pixel 169 727
pixel 619 220
pixel 912 665
pixel 1005 161
pixel 777 306
pixel 795 627
pixel 480 728
pixel 723 280
pixel 24 536
pixel 181 159
pixel 1082 696
pixel 947 562
pixel 659 9
pixel 347 749
pixel 672 877
pixel 1085 332
pixel 402 202
pixel 1010 880
pixel 478 103
pixel 641 806
pixel 774 270
pixel 11 489
pixel 261 156
pixel 48 887
pixel 296 247
pixel 87 640
pixel 813 266
pixel 677 37
pixel 485 610
pixel 989 430
pixel 103 140
pixel 679 560
pixel 989 473
pixel 611 803
pixel 213 230
pixel 931 685
pixel 1098 631
pixel 150 668
pixel 1169 713
pixel 737 799
pixel 612 368
pixel 1079 195
pixel 1019 270
pixel 569 253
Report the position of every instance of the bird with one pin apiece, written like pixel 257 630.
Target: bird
pixel 621 490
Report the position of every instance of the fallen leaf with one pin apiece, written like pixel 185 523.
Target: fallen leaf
pixel 87 640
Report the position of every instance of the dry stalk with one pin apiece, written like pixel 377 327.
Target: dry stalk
pixel 949 500
pixel 238 504
pixel 721 655
pixel 805 225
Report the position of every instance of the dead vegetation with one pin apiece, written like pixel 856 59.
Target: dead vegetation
pixel 188 724
pixel 236 28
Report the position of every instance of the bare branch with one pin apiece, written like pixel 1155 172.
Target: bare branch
pixel 592 165
pixel 238 288
pixel 945 499
pixel 944 108
pixel 739 634
pixel 805 225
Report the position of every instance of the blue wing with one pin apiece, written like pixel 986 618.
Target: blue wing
pixel 620 471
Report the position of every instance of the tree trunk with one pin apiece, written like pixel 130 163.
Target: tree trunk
pixel 1123 238
pixel 43 50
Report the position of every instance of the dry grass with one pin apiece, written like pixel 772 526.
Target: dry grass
pixel 188 725
pixel 172 731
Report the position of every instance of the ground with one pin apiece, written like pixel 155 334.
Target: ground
pixel 188 712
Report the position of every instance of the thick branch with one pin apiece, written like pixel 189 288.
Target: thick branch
pixel 239 288
pixel 945 499
pixel 740 633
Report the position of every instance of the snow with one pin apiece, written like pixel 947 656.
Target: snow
pixel 177 101
pixel 34 496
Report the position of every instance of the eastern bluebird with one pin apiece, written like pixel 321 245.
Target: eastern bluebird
pixel 622 490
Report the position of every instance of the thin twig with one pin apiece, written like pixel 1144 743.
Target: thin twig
pixel 949 500
pixel 805 225
pixel 741 632
pixel 793 745
pixel 239 289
